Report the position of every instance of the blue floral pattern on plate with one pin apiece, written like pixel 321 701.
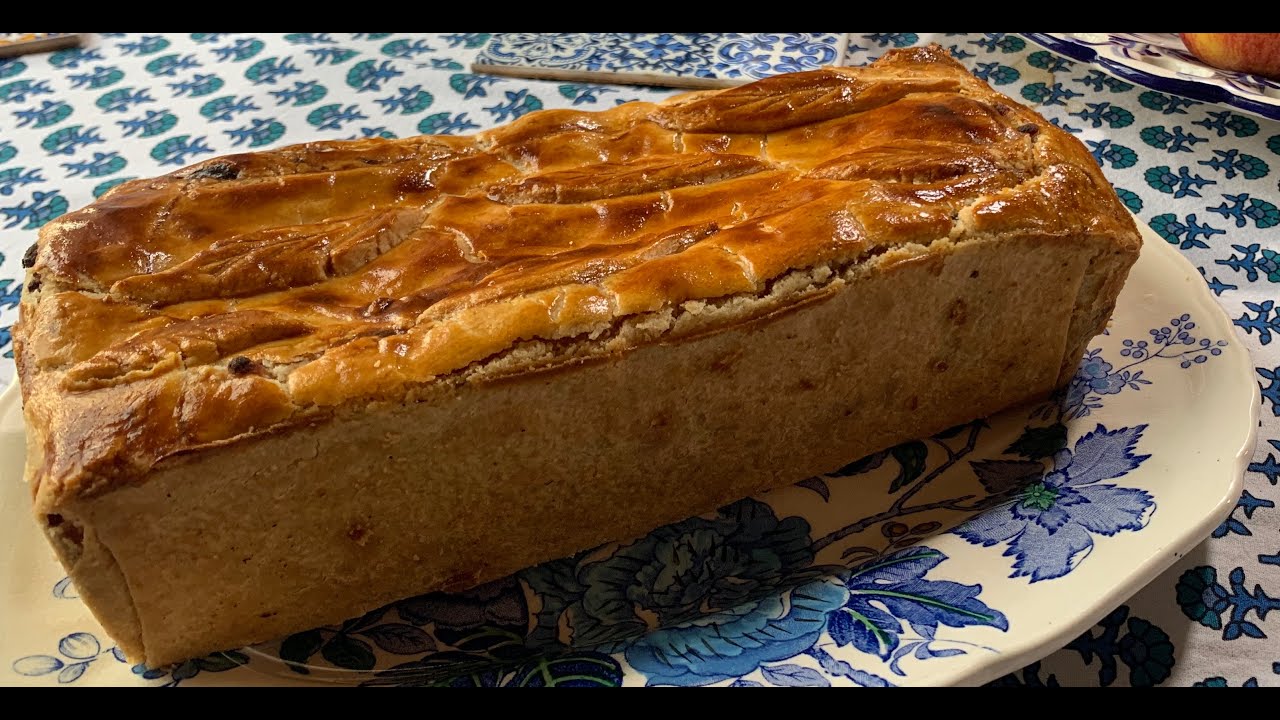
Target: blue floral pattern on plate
pixel 78 652
pixel 1049 524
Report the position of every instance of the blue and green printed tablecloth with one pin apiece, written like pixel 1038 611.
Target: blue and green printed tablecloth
pixel 75 123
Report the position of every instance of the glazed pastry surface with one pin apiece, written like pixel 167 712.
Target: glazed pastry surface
pixel 256 292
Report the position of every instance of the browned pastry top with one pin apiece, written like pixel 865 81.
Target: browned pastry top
pixel 255 291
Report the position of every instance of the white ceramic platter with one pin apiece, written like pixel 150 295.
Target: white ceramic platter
pixel 852 578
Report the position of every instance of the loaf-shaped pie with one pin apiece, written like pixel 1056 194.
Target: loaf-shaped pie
pixel 275 390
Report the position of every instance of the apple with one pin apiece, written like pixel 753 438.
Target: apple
pixel 1257 53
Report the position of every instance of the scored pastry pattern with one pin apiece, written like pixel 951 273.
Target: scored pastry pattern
pixel 255 290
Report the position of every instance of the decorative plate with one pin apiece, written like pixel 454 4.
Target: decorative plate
pixel 948 560
pixel 696 60
pixel 1160 61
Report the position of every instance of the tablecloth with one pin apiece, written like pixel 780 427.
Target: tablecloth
pixel 75 123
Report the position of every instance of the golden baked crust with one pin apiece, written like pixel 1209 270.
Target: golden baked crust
pixel 277 390
pixel 253 292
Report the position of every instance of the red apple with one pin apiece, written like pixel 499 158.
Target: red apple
pixel 1257 53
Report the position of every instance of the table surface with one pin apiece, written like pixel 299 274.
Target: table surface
pixel 75 123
